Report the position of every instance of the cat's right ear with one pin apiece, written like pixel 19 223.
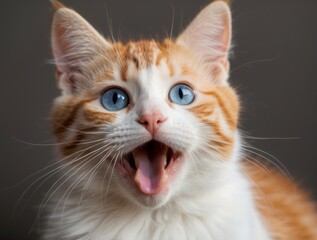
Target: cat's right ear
pixel 209 35
pixel 74 44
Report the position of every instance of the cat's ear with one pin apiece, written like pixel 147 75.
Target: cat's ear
pixel 74 43
pixel 209 35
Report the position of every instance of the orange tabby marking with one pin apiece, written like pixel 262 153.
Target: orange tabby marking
pixel 97 118
pixel 285 207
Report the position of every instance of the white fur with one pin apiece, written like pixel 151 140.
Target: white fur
pixel 225 212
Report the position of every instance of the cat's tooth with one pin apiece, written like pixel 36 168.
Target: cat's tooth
pixel 164 180
pixel 165 162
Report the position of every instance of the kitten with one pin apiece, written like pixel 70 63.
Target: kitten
pixel 149 141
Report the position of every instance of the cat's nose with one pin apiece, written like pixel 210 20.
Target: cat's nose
pixel 152 122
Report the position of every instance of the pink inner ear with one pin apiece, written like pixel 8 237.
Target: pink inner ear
pixel 74 43
pixel 61 65
pixel 219 71
pixel 209 34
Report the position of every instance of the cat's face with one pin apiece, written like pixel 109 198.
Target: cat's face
pixel 146 121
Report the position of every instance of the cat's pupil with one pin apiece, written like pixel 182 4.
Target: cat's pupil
pixel 180 92
pixel 115 98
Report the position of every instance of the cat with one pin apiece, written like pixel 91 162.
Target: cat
pixel 149 141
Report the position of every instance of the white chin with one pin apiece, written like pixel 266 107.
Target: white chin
pixel 134 196
pixel 154 201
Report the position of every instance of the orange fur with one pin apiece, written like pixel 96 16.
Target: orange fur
pixel 98 118
pixel 286 209
pixel 64 114
pixel 186 70
pixel 69 147
pixel 143 54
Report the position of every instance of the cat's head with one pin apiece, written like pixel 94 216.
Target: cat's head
pixel 146 121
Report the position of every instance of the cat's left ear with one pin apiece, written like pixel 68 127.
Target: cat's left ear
pixel 75 44
pixel 209 35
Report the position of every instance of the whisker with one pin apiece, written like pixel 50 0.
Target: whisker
pixel 75 184
pixel 104 158
pixel 257 163
pixel 48 196
pixel 84 132
pixel 255 62
pixel 107 189
pixel 53 144
pixel 104 178
pixel 283 169
pixel 50 174
pixel 172 25
pixel 112 36
pixel 260 191
pixel 245 135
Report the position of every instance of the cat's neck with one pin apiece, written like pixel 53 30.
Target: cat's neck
pixel 220 214
pixel 226 211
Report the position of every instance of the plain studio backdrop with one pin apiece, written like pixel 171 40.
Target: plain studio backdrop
pixel 273 67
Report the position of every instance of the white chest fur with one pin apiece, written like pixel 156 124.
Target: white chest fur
pixel 225 213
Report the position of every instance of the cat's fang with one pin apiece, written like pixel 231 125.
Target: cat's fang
pixel 131 161
pixel 169 156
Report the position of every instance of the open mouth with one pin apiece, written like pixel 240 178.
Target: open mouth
pixel 151 166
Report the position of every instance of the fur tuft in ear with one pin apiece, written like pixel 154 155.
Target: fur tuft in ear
pixel 74 43
pixel 209 35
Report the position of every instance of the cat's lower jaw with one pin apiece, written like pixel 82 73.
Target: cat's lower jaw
pixel 146 174
pixel 227 212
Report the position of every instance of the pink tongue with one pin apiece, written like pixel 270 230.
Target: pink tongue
pixel 150 161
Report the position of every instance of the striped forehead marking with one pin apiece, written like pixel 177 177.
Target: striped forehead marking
pixel 143 54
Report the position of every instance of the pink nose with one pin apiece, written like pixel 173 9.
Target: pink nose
pixel 152 122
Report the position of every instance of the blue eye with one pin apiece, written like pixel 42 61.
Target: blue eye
pixel 181 94
pixel 114 99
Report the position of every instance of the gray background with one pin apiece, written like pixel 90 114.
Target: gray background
pixel 274 68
